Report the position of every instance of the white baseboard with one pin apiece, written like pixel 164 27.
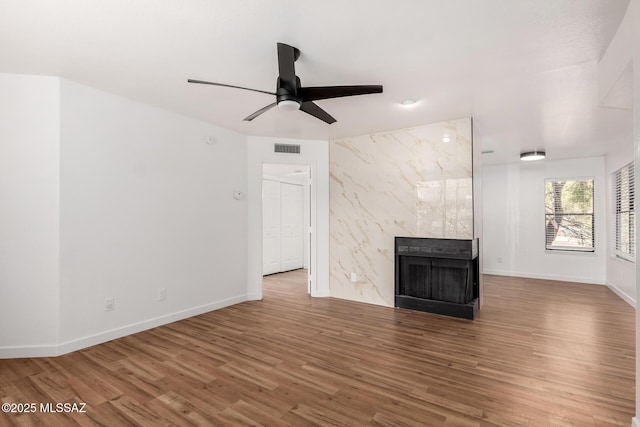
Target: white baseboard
pixel 47 350
pixel 623 295
pixel 88 341
pixel 321 294
pixel 574 279
pixel 635 422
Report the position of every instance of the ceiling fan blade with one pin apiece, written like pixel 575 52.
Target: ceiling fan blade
pixel 260 111
pixel 317 112
pixel 287 55
pixel 202 82
pixel 326 92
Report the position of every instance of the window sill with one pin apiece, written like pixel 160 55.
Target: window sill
pixel 623 258
pixel 570 251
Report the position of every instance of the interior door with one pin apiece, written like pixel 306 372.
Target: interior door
pixel 292 227
pixel 271 227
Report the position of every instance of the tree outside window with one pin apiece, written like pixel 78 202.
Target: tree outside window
pixel 569 223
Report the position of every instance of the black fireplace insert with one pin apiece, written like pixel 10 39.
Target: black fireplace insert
pixel 437 275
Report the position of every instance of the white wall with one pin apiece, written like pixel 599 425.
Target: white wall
pixel 513 221
pixel 314 153
pixel 621 274
pixel 29 274
pixel 102 197
pixel 145 204
pixel 624 50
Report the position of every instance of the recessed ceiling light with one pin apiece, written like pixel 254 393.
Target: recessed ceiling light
pixel 446 137
pixel 408 102
pixel 530 156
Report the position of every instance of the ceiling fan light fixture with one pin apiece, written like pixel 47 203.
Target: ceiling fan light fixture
pixel 289 105
pixel 531 156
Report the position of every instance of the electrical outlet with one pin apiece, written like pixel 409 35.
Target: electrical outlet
pixel 162 294
pixel 354 277
pixel 109 304
pixel 499 260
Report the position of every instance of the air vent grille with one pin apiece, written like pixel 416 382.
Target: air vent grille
pixel 287 148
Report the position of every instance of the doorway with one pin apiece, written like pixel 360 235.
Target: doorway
pixel 286 222
pixel 315 154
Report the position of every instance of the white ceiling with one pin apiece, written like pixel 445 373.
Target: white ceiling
pixel 525 70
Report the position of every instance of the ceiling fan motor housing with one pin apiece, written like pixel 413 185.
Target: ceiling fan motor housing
pixel 284 91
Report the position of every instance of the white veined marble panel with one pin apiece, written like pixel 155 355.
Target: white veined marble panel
pixel 406 182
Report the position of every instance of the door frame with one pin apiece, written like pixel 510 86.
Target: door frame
pixel 315 154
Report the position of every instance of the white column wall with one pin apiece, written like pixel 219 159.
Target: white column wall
pixel 29 237
pixel 623 50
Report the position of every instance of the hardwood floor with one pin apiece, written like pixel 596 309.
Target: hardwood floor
pixel 540 354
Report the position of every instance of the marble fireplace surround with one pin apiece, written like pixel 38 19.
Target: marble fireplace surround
pixel 406 182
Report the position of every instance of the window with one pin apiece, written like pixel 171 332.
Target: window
pixel 624 190
pixel 569 215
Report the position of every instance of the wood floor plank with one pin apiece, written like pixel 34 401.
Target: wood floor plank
pixel 540 353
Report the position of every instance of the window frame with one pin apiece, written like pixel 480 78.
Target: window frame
pixel 573 249
pixel 617 212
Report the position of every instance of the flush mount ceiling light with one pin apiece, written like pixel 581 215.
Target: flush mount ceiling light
pixel 530 156
pixel 446 137
pixel 408 102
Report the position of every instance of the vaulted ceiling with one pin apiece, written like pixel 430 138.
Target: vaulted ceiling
pixel 525 70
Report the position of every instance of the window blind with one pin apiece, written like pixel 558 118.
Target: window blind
pixel 569 216
pixel 625 235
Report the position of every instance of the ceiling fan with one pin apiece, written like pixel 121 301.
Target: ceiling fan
pixel 291 96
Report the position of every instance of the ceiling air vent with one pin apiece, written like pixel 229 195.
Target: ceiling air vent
pixel 286 148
